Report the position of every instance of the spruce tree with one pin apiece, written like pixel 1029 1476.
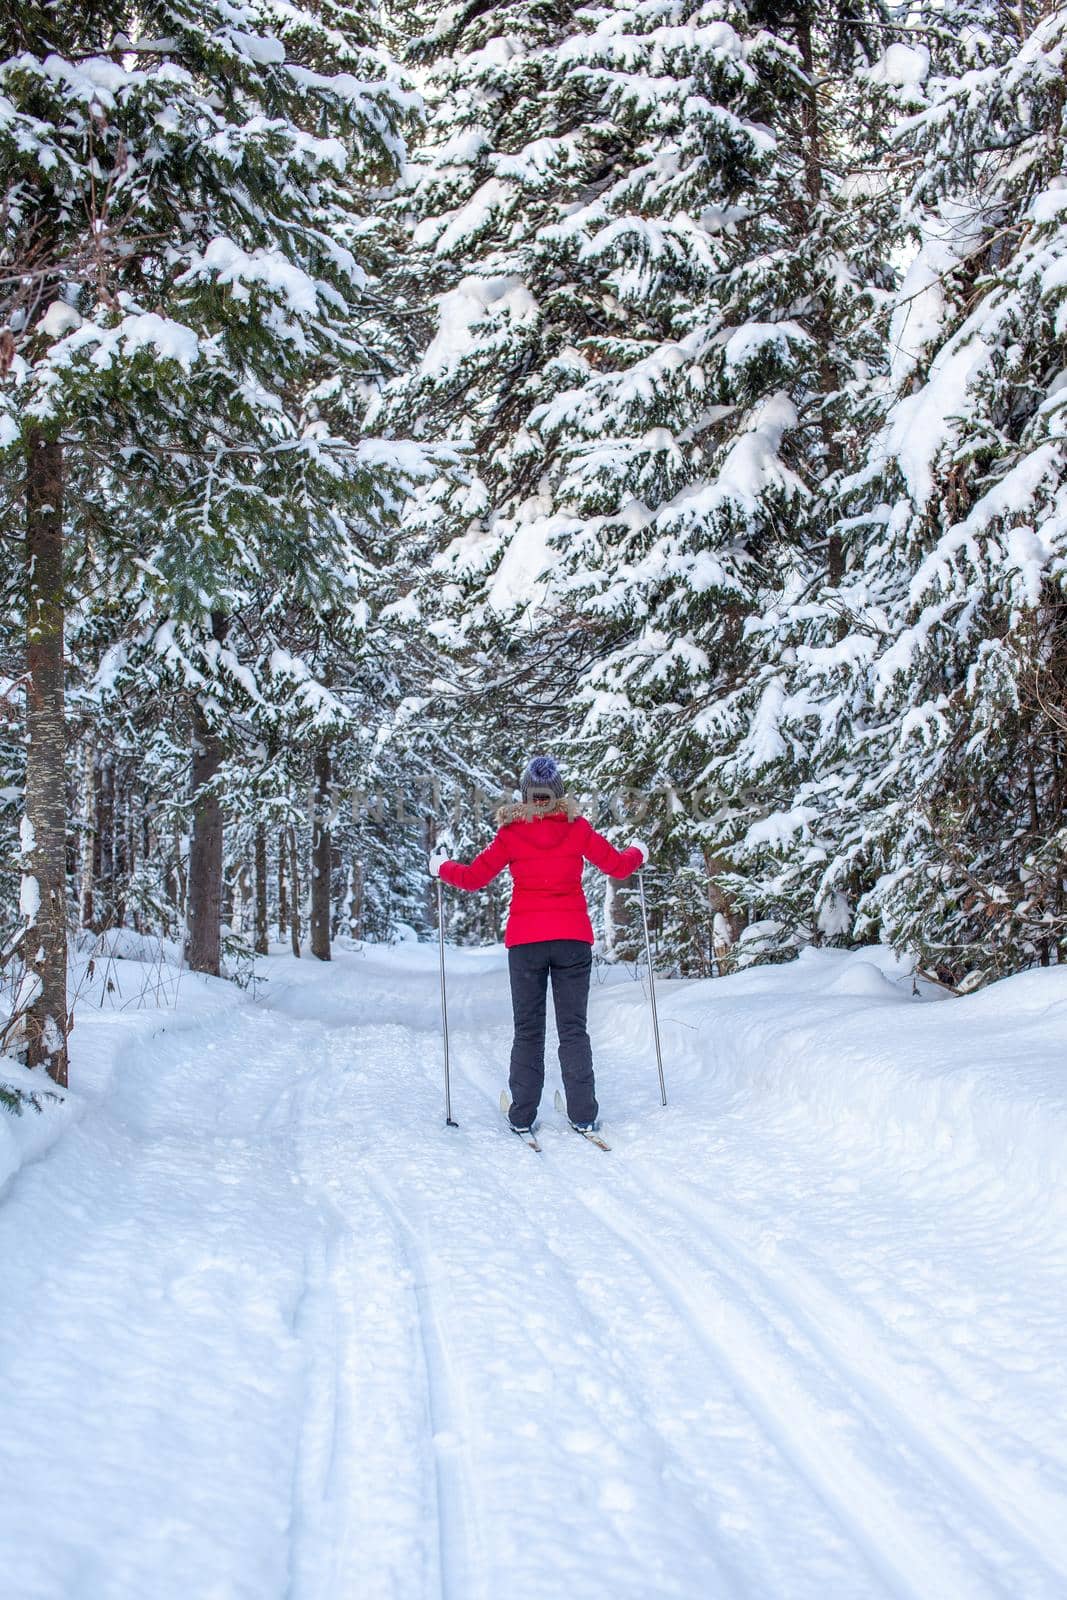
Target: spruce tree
pixel 177 189
pixel 655 364
pixel 933 812
pixel 542 127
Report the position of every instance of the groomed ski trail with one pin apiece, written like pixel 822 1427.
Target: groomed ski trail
pixel 313 1344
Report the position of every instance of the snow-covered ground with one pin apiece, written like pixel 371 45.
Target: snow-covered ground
pixel 268 1329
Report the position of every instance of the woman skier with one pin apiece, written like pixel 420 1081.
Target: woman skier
pixel 545 842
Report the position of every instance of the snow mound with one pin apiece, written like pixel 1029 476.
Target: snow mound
pixel 850 1042
pixel 44 1111
pixel 864 977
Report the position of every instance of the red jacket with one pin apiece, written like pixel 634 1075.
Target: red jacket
pixel 545 855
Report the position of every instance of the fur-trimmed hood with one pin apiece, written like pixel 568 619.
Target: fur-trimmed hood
pixel 524 811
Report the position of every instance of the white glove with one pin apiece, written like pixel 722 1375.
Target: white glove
pixel 637 845
pixel 437 860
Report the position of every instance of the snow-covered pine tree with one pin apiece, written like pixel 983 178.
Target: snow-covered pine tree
pixel 301 694
pixel 297 682
pixel 525 152
pixel 486 73
pixel 934 812
pixel 177 191
pixel 653 362
pixel 12 765
pixel 785 337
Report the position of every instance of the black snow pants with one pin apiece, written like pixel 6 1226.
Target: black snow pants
pixel 570 961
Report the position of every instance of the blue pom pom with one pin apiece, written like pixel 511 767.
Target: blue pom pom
pixel 542 773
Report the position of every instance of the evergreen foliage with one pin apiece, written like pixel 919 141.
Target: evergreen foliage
pixel 673 384
pixel 928 690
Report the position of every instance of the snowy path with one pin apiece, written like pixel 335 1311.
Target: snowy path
pixel 268 1329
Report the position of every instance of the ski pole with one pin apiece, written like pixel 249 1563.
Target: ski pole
pixel 652 990
pixel 449 1123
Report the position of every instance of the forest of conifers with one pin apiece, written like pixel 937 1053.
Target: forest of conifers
pixel 389 392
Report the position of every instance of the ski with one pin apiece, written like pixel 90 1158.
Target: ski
pixel 593 1138
pixel 528 1138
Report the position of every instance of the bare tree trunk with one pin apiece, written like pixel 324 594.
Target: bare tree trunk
pixel 262 923
pixel 355 899
pixel 122 857
pixel 727 932
pixel 321 857
pixel 226 915
pixel 133 845
pixel 44 884
pixel 87 847
pixel 813 153
pixel 98 858
pixel 283 906
pixel 294 893
pixel 105 833
pixel 243 894
pixel 616 916
pixel 179 876
pixel 205 845
pixel 814 161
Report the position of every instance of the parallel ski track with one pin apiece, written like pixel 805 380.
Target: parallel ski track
pixel 684 1462
pixel 684 1459
pixel 461 1566
pixel 316 1322
pixel 917 1498
pixel 779 1355
pixel 838 1334
pixel 693 1453
pixel 779 1352
pixel 766 1379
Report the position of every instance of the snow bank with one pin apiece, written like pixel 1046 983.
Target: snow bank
pixel 842 1040
pixel 45 1112
pixel 847 1042
pixel 132 993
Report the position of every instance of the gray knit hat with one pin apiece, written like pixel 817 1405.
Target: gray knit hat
pixel 542 773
